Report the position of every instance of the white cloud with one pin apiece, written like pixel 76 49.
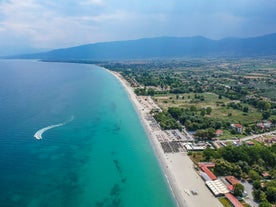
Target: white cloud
pixel 92 2
pixel 63 23
pixel 42 27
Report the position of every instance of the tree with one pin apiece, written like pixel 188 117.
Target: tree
pixel 208 110
pixel 271 194
pixel 245 109
pixel 202 112
pixel 271 191
pixel 211 133
pixel 238 189
pixel 263 197
pixel 209 154
pixel 256 194
pixel 254 175
pixel 267 105
pixel 248 130
pixel 193 108
pixel 151 92
pixel 266 115
pixel 224 167
pixel 257 184
pixel 175 112
pixel 265 204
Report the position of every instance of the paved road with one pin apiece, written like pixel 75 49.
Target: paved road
pixel 253 136
pixel 249 189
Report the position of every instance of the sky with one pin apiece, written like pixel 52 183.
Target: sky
pixel 26 25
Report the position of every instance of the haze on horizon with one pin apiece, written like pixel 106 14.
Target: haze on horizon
pixel 49 24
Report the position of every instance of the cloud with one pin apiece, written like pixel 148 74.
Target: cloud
pixel 92 2
pixel 64 23
pixel 42 27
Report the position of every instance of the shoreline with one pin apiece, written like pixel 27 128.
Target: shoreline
pixel 177 168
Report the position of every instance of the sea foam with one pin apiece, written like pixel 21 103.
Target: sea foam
pixel 38 134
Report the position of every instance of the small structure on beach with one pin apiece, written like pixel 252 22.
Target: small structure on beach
pixel 192 147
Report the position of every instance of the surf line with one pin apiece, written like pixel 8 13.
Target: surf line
pixel 38 134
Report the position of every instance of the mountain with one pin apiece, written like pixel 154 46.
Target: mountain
pixel 163 47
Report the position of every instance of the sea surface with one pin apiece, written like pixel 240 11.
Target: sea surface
pixel 69 136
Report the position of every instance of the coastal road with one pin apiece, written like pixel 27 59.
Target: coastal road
pixel 255 136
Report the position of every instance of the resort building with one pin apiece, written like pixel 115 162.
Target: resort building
pixel 233 200
pixel 204 166
pixel 217 187
pixel 232 180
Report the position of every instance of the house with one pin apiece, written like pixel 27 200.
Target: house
pixel 250 143
pixel 266 175
pixel 219 132
pixel 237 127
pixel 264 125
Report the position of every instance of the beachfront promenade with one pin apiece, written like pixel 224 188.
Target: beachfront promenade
pixel 177 167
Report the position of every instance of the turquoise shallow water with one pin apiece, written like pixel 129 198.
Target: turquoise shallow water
pixel 100 158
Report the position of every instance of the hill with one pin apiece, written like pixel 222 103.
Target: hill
pixel 163 47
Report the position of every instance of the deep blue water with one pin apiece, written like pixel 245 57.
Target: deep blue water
pixel 100 158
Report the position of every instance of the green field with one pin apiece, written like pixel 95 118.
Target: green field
pixel 219 106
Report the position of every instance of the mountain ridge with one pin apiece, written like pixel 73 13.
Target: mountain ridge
pixel 163 47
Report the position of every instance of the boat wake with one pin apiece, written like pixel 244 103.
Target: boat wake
pixel 38 134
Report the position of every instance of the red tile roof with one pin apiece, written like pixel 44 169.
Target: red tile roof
pixel 230 187
pixel 208 172
pixel 233 200
pixel 204 167
pixel 238 125
pixel 206 164
pixel 232 180
pixel 265 174
pixel 219 132
pixel 250 143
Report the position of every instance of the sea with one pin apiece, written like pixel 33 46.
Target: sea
pixel 70 137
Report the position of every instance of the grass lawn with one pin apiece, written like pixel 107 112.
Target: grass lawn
pixel 169 100
pixel 225 202
pixel 228 135
pixel 219 108
pixel 196 156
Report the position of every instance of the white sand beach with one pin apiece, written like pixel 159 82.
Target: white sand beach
pixel 177 167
